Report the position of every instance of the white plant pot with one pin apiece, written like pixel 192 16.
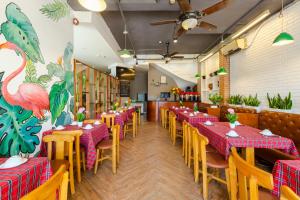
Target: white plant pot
pixel 232 125
pixel 79 124
pixel 279 110
pixel 214 106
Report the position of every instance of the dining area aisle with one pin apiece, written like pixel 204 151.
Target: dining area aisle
pixel 150 169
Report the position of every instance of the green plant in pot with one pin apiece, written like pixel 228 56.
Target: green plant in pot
pixel 251 101
pixel 235 99
pixel 80 116
pixel 195 107
pixel 232 117
pixel 278 102
pixel 215 98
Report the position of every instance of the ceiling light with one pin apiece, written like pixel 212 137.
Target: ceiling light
pixel 197 76
pixel 207 56
pixel 283 38
pixel 159 42
pixel 222 71
pixel 93 5
pixel 124 53
pixel 172 2
pixel 258 19
pixel 175 40
pixel 189 23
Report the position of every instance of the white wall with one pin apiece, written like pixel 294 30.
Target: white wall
pixel 263 68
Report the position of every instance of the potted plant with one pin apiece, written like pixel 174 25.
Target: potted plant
pixel 252 102
pixel 232 117
pixel 195 107
pixel 236 100
pixel 277 103
pixel 115 106
pixel 80 116
pixel 181 103
pixel 216 99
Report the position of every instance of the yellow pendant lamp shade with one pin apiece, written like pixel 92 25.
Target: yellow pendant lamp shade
pixel 93 5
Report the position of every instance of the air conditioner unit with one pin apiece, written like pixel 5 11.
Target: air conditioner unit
pixel 234 46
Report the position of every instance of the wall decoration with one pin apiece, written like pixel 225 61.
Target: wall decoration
pixel 18 128
pixel 18 30
pixel 27 92
pixel 56 10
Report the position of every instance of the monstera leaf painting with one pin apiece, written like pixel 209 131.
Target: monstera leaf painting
pixel 31 76
pixel 18 129
pixel 56 10
pixel 58 99
pixel 18 30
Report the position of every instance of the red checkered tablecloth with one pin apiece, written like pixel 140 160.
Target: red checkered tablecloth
pixel 120 119
pixel 249 137
pixel 196 118
pixel 177 110
pixel 88 139
pixel 286 172
pixel 21 180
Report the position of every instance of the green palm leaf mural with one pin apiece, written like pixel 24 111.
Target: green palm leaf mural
pixel 56 10
pixel 18 129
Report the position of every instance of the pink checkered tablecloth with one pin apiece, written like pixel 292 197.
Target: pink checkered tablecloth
pixel 196 117
pixel 286 172
pixel 120 119
pixel 21 180
pixel 177 110
pixel 249 137
pixel 129 112
pixel 88 140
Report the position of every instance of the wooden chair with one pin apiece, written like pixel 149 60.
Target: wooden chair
pixel 109 145
pixel 184 138
pixel 47 191
pixel 212 160
pixel 214 111
pixel 163 116
pixel 61 142
pixel 249 119
pixel 109 119
pixel 139 115
pixel 287 193
pixel 248 176
pixel 91 121
pixel 176 129
pixel 131 126
pixel 78 150
pixel 170 114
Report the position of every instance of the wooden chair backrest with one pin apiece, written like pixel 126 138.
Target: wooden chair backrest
pixel 115 134
pixel 242 171
pixel 214 111
pixel 60 141
pixel 76 134
pixel 287 193
pixel 47 191
pixel 109 119
pixel 91 121
pixel 199 144
pixel 250 119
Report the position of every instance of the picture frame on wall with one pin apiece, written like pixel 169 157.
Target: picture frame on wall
pixel 163 79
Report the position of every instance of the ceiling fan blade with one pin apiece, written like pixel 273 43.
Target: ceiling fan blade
pixel 177 57
pixel 184 5
pixel 163 22
pixel 173 54
pixel 207 25
pixel 179 32
pixel 216 7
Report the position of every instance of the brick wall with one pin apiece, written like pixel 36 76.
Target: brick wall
pixel 224 61
pixel 265 68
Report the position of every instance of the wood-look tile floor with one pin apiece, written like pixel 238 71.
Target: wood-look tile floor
pixel 151 168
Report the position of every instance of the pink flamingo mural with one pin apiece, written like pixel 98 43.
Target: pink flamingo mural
pixel 29 96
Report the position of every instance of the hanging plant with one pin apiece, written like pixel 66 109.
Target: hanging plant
pixel 56 10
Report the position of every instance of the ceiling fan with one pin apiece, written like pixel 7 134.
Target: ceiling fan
pixel 169 56
pixel 189 18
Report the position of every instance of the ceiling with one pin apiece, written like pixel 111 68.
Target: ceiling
pixel 143 38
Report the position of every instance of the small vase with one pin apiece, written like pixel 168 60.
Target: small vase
pixel 80 124
pixel 232 125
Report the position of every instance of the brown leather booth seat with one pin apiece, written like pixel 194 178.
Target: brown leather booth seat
pixel 284 124
pixel 224 111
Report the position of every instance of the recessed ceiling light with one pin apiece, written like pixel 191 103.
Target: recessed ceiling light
pixel 175 40
pixel 93 5
pixel 159 42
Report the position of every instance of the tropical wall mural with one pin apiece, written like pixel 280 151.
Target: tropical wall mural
pixel 45 96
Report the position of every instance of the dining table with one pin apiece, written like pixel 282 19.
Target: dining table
pixel 196 117
pixel 18 181
pixel 88 140
pixel 286 172
pixel 177 110
pixel 248 137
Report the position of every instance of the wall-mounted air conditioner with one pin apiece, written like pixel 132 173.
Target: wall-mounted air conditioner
pixel 234 46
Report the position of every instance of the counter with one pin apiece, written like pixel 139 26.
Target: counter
pixel 153 107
